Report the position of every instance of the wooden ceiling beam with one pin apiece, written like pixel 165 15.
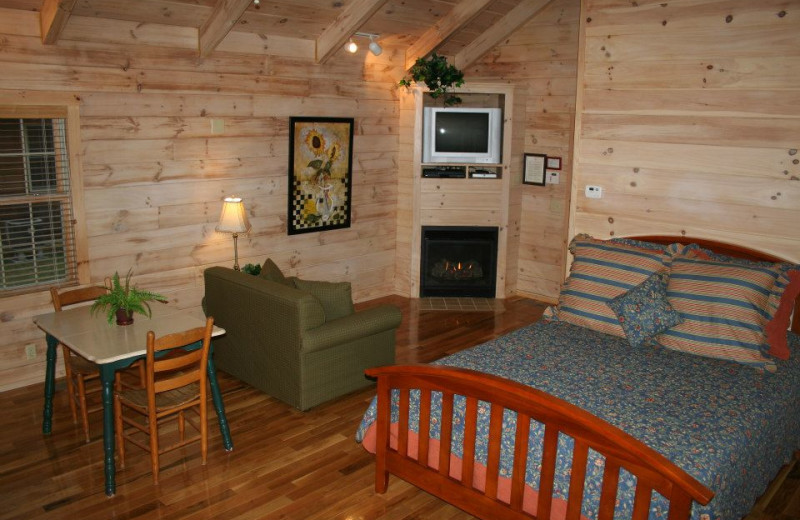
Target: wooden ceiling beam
pixel 53 17
pixel 224 16
pixel 492 36
pixel 348 22
pixel 461 15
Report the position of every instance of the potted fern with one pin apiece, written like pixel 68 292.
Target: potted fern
pixel 439 76
pixel 123 300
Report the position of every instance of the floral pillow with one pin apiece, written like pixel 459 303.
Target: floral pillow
pixel 644 311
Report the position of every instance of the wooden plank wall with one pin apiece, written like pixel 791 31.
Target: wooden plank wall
pixel 541 58
pixel 155 175
pixel 690 121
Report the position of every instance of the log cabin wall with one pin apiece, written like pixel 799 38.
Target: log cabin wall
pixel 541 59
pixel 154 173
pixel 689 118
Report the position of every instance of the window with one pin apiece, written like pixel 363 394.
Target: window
pixel 37 244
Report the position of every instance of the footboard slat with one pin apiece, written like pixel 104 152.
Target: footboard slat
pixel 493 460
pixel 547 474
pixel 557 417
pixel 402 429
pixel 520 461
pixel 641 503
pixel 470 427
pixel 424 425
pixel 580 455
pixel 608 495
pixel 447 433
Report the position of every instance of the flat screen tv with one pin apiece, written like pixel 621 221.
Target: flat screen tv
pixel 462 135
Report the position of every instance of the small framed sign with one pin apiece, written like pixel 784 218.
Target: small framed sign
pixel 534 169
pixel 553 163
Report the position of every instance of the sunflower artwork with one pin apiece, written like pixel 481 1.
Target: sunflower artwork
pixel 320 171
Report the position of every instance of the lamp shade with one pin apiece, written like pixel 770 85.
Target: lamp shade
pixel 233 218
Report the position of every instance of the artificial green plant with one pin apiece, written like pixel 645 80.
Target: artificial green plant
pixel 440 77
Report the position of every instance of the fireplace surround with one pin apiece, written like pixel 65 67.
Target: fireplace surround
pixel 459 261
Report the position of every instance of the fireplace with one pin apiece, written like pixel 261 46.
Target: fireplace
pixel 458 261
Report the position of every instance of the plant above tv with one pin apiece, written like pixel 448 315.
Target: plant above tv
pixel 440 77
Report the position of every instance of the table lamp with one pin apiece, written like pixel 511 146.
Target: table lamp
pixel 233 220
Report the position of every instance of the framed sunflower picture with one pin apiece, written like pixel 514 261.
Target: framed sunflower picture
pixel 320 173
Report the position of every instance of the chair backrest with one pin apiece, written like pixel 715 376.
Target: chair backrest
pixel 73 296
pixel 181 367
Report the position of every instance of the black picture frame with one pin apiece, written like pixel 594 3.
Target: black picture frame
pixel 320 173
pixel 534 169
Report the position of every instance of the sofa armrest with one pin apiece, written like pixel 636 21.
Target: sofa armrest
pixel 348 328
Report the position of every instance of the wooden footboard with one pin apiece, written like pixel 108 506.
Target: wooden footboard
pixel 653 471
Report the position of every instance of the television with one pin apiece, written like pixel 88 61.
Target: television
pixel 462 135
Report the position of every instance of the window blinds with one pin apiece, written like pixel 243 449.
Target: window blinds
pixel 37 243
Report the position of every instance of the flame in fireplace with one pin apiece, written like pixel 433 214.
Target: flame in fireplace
pixel 457 270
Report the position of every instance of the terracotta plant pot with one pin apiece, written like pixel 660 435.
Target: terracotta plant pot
pixel 124 317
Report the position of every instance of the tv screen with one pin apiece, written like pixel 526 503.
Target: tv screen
pixel 462 135
pixel 462 132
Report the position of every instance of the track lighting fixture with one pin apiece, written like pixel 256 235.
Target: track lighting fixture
pixel 374 48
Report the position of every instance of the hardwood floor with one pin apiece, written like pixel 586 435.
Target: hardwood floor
pixel 286 464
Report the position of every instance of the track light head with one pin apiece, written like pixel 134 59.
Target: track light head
pixel 351 46
pixel 374 48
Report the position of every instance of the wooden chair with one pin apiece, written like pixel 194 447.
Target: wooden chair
pixel 79 370
pixel 174 384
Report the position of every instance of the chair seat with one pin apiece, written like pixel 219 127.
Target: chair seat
pixel 170 399
pixel 82 365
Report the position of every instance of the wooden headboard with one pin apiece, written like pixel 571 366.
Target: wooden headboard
pixel 724 248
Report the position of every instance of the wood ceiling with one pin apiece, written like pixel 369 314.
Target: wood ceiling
pixel 463 29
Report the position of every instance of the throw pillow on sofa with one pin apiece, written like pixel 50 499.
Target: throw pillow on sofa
pixel 336 297
pixel 270 271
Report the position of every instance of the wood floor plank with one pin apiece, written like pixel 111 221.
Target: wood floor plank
pixel 286 464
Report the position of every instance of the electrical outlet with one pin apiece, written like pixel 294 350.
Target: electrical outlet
pixel 217 126
pixel 30 351
pixel 594 192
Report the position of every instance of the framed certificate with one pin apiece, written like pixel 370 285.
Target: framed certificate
pixel 553 163
pixel 534 169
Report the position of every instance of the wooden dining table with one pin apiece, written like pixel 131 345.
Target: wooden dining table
pixel 113 347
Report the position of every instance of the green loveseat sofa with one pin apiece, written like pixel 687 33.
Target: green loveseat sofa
pixel 279 340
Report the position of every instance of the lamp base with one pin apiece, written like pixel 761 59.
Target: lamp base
pixel 236 252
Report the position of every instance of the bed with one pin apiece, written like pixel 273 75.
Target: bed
pixel 573 418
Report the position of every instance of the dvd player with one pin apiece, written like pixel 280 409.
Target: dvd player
pixel 445 172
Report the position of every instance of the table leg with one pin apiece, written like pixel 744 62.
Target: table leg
pixel 219 406
pixel 107 372
pixel 49 383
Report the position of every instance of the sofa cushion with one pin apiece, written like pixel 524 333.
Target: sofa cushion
pixel 336 297
pixel 270 271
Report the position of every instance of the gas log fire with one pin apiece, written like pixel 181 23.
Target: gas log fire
pixel 458 261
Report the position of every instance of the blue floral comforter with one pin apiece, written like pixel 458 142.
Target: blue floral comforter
pixel 726 424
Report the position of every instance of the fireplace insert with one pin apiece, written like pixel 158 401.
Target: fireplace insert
pixel 458 261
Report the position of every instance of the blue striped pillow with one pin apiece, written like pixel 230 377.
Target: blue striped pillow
pixel 725 308
pixel 602 270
